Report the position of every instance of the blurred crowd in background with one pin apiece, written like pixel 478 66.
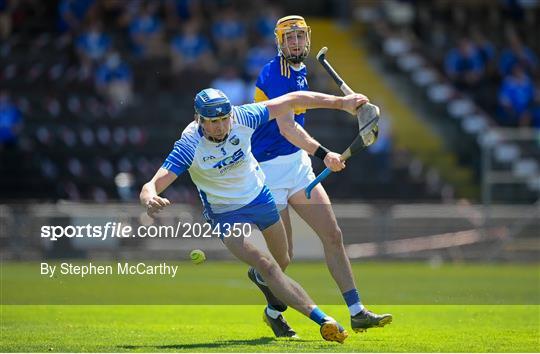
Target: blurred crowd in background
pixel 213 38
pixel 91 89
pixel 89 60
pixel 488 49
pixel 490 52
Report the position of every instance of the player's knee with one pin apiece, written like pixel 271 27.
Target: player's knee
pixel 334 237
pixel 268 268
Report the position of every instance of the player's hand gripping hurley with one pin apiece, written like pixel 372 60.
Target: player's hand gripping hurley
pixel 368 116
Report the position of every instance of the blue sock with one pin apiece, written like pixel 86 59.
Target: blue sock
pixel 317 315
pixel 352 298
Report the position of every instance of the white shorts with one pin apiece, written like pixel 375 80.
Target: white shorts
pixel 286 175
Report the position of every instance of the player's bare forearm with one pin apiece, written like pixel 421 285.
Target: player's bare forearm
pixel 149 196
pixel 296 134
pixel 299 137
pixel 312 100
pixel 304 100
pixel 161 180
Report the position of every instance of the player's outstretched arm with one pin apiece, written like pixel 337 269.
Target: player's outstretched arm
pixel 299 137
pixel 150 191
pixel 305 100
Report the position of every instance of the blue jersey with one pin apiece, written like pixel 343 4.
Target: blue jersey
pixel 277 78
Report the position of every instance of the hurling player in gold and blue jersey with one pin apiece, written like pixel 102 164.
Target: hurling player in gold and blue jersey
pixel 288 172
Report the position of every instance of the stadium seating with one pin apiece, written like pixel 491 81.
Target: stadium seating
pixel 467 118
pixel 75 142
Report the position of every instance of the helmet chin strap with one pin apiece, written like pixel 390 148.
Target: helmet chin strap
pixel 296 59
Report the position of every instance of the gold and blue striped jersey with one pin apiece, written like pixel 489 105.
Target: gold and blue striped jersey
pixel 277 78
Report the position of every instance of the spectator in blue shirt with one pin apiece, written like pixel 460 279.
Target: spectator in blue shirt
pixel 191 50
pixel 464 65
pixel 382 150
pixel 71 14
pixel 114 80
pixel 266 22
pixel 181 11
pixel 515 97
pixel 229 34
pixel 517 53
pixel 486 49
pixel 92 45
pixel 10 121
pixel 532 118
pixel 258 56
pixel 535 116
pixel 146 31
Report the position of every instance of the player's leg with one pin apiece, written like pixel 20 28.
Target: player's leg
pixel 273 317
pixel 272 313
pixel 281 285
pixel 318 214
pixel 286 219
pixel 278 243
pixel 278 246
pixel 279 177
pixel 280 174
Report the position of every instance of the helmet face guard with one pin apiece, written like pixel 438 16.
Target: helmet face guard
pixel 212 105
pixel 293 38
pixel 210 119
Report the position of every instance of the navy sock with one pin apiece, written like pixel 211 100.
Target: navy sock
pixel 352 298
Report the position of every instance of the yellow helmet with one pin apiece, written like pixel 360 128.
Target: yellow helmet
pixel 293 25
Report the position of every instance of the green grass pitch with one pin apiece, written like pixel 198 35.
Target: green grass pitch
pixel 452 308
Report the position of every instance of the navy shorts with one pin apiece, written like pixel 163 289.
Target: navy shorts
pixel 261 211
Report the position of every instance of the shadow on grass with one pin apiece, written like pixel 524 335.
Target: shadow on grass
pixel 216 344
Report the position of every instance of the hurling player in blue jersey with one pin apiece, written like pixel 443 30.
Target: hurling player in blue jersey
pixel 288 172
pixel 216 151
